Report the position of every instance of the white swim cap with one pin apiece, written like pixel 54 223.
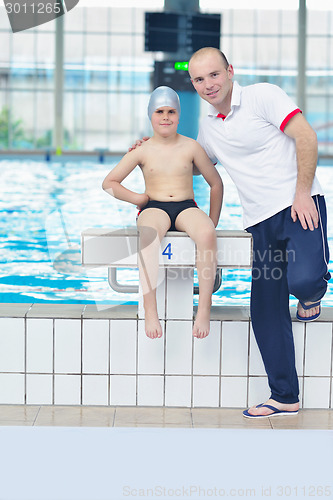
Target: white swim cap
pixel 163 96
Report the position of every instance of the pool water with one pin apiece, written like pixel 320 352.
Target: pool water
pixel 45 206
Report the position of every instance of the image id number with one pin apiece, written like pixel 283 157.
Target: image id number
pixel 35 8
pixel 303 491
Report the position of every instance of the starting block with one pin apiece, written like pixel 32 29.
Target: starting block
pixel 118 248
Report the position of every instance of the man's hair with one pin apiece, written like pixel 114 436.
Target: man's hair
pixel 204 50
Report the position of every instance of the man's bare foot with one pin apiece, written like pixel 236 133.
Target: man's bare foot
pixel 201 325
pixel 312 312
pixel 263 411
pixel 153 327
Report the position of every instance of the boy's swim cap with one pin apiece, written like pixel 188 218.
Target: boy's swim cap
pixel 163 96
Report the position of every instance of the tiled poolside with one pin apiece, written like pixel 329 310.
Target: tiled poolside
pixel 120 416
pixel 79 355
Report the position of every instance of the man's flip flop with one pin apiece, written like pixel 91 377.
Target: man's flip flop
pixel 306 307
pixel 275 413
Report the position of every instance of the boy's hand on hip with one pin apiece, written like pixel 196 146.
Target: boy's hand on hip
pixel 305 210
pixel 142 201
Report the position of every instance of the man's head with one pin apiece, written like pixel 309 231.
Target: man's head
pixel 202 53
pixel 161 97
pixel 211 75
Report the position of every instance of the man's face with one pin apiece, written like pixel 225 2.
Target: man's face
pixel 212 80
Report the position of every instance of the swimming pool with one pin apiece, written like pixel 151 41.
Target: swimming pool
pixel 45 206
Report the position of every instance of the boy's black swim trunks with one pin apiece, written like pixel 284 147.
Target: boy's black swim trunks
pixel 172 208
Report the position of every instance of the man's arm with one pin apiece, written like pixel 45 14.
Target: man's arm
pixel 305 138
pixel 112 182
pixel 212 177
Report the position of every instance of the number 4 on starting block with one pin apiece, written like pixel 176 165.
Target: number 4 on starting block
pixel 167 251
pixel 178 250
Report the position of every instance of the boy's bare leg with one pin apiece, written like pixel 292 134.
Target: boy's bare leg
pixel 201 229
pixel 152 224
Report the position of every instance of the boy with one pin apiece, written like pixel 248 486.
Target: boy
pixel 167 161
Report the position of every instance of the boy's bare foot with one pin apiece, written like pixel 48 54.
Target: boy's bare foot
pixel 201 325
pixel 153 327
pixel 263 411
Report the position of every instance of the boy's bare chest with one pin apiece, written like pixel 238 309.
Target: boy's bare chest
pixel 167 163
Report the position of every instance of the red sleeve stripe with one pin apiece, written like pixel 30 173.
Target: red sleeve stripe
pixel 287 118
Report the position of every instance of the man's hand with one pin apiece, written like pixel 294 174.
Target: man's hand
pixel 305 210
pixel 138 143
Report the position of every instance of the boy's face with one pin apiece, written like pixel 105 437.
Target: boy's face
pixel 165 120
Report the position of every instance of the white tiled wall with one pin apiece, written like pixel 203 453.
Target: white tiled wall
pixel 39 389
pixel 234 392
pixel 150 390
pixel 95 346
pixel 235 338
pixel 123 346
pixel 206 355
pixel 150 353
pixel 39 340
pixel 178 350
pixel 11 345
pixel 12 388
pixel 177 390
pixel 107 361
pixel 123 390
pixel 67 389
pixel 67 346
pixel 95 389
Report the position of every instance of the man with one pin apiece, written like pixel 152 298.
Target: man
pixel 270 151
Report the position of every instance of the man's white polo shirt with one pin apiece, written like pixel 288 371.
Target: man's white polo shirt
pixel 251 146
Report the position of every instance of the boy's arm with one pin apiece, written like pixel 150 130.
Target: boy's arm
pixel 112 182
pixel 212 177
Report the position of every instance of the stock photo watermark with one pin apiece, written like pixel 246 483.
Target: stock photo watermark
pixel 197 491
pixel 26 14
